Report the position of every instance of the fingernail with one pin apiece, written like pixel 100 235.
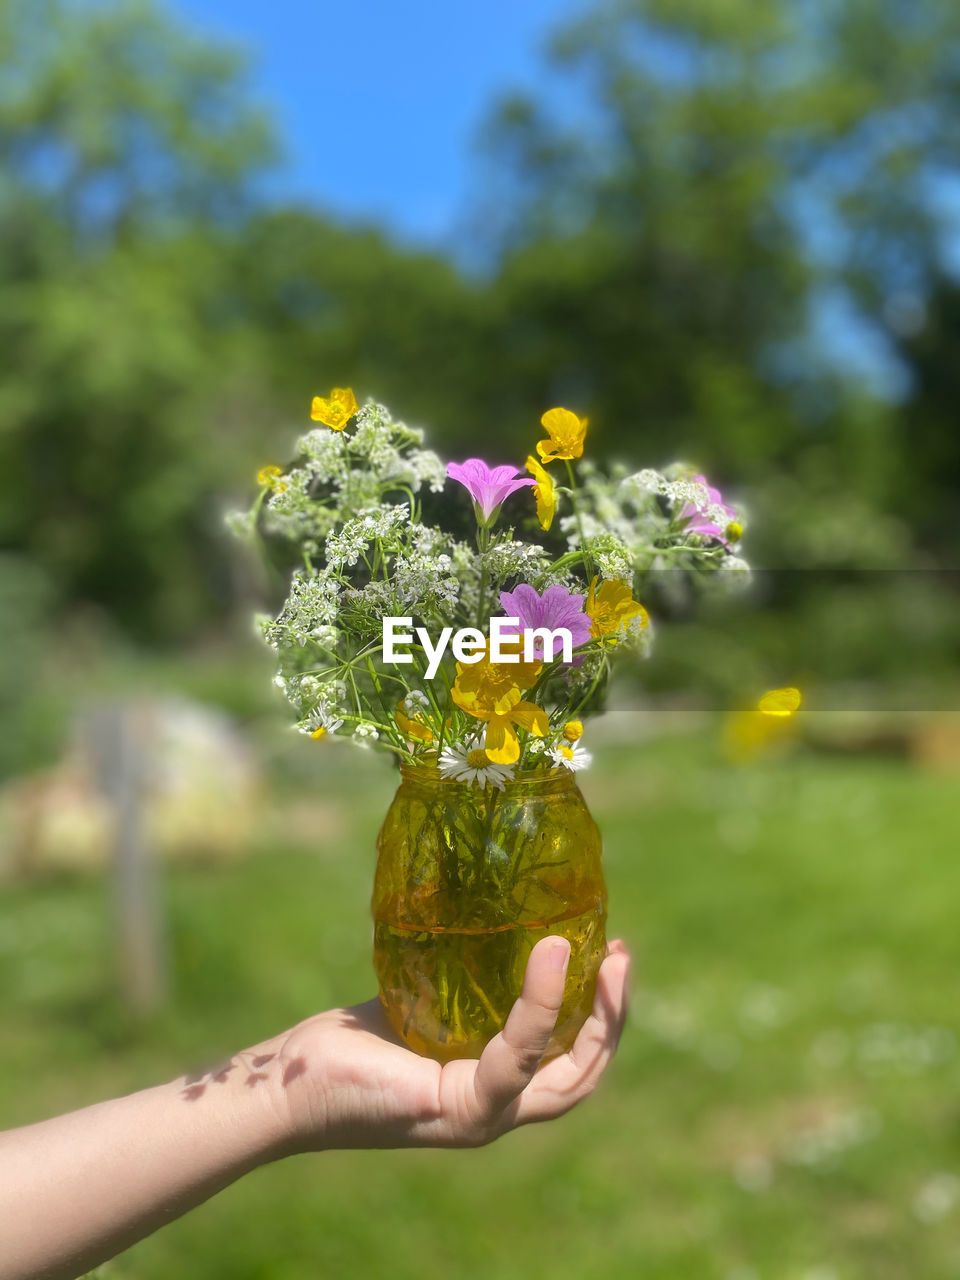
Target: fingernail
pixel 559 955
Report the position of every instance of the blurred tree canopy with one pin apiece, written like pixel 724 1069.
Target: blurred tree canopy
pixel 722 170
pixel 657 238
pixel 127 152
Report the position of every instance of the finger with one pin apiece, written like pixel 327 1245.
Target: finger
pixel 570 1078
pixel 566 1080
pixel 513 1055
pixel 604 1027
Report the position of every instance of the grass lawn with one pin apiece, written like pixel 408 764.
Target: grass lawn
pixel 785 1103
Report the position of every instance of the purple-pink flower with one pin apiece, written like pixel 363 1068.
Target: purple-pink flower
pixel 487 486
pixel 700 521
pixel 556 608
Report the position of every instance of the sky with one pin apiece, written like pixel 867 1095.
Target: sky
pixel 379 103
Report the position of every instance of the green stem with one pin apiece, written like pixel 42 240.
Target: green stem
pixel 483 544
pixel 587 560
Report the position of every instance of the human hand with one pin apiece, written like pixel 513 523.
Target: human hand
pixel 76 1189
pixel 345 1079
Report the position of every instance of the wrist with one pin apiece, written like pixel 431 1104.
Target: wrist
pixel 286 1115
pixel 268 1121
pixel 243 1107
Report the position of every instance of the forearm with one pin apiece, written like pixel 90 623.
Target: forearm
pixel 80 1188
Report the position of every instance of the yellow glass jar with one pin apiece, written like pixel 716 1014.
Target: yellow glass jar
pixel 468 879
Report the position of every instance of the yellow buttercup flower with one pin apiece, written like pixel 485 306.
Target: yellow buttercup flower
pixel 412 726
pixel 612 608
pixel 779 702
pixel 336 410
pixel 566 432
pixel 270 477
pixel 545 493
pixel 493 692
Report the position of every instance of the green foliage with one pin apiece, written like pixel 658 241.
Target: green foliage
pixel 26 604
pixel 126 151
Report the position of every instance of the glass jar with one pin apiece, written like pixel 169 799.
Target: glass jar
pixel 468 879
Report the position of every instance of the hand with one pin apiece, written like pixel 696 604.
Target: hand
pixel 345 1079
pixel 77 1189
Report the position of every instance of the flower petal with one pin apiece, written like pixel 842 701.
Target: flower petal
pixel 532 718
pixel 501 743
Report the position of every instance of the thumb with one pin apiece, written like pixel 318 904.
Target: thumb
pixel 509 1061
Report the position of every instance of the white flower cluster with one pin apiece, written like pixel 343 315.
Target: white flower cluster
pixel 513 559
pixel 351 508
pixel 339 474
pixel 312 696
pixel 635 488
pixel 311 608
pixel 380 525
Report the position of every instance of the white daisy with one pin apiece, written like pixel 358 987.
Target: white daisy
pixel 471 764
pixel 571 756
pixel 319 723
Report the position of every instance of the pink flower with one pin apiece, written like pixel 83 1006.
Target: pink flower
pixel 700 521
pixel 557 607
pixel 488 487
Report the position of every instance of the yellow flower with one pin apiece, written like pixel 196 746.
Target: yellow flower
pixel 336 410
pixel 545 493
pixel 779 702
pixel 270 477
pixel 319 733
pixel 412 726
pixel 492 691
pixel 566 432
pixel 573 731
pixel 612 608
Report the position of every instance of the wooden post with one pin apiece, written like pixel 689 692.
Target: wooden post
pixel 121 735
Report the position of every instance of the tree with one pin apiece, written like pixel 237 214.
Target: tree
pixel 670 217
pixel 128 154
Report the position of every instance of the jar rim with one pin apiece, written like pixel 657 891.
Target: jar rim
pixel 525 779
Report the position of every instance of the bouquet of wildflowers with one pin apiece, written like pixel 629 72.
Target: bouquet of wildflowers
pixel 480 656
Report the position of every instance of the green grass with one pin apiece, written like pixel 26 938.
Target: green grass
pixel 785 1103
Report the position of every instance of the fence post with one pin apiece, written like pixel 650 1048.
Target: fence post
pixel 121 734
